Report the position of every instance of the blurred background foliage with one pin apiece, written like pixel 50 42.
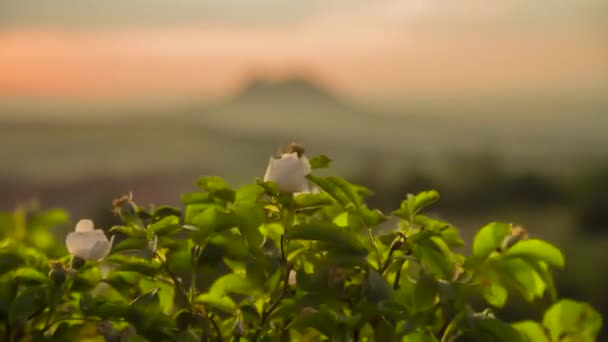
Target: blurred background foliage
pixel 500 107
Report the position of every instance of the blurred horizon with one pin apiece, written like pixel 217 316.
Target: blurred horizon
pixel 385 53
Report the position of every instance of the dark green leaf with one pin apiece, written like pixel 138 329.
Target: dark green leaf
pixel 379 288
pixel 27 303
pixel 426 293
pixel 323 231
pixel 498 330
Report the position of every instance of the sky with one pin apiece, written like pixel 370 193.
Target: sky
pixel 372 50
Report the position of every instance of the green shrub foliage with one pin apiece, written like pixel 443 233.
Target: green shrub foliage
pixel 258 264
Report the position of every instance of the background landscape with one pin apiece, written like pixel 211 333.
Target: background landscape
pixel 502 107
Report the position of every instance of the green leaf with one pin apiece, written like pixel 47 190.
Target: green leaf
pixel 435 257
pixel 48 219
pixel 131 231
pixel 218 301
pixel 217 187
pixel 531 331
pixel 249 193
pixel 419 337
pixel 319 162
pixel 131 243
pixel 537 250
pixel 323 321
pixel 490 238
pixel 167 225
pixel 234 283
pixel 413 204
pixel 425 294
pixel 214 219
pixel 520 275
pixel 27 303
pixel 423 200
pixel 379 289
pixel 311 201
pixel 568 318
pixel 135 264
pixel 494 291
pixel 122 279
pixel 166 293
pixel 498 330
pixel 332 189
pixel 165 211
pixel 31 276
pixel 196 198
pixel 250 217
pixel 323 231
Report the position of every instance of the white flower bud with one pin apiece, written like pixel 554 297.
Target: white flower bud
pixel 289 172
pixel 88 243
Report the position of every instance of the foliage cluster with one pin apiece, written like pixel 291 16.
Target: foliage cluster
pixel 259 264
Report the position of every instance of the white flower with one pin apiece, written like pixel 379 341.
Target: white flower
pixel 289 172
pixel 88 243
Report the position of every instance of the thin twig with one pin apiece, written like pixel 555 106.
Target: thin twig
pixel 266 314
pixel 216 327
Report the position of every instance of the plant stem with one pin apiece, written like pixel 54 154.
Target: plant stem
pixel 266 314
pixel 178 285
pixel 216 327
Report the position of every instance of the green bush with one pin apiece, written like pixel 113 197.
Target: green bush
pixel 260 264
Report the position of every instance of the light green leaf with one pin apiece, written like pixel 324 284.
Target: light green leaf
pixel 214 219
pixel 249 193
pixel 219 301
pixel 572 319
pixel 419 337
pixel 217 187
pixel 522 276
pixel 489 238
pixel 131 231
pixel 31 276
pixel 234 283
pixel 167 225
pixel 320 162
pixel 531 331
pixel 537 250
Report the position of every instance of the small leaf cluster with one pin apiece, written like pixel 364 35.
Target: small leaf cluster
pixel 257 264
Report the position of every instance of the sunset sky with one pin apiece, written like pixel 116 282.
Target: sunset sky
pixel 115 50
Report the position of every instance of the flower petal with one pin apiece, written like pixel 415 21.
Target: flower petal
pixel 85 226
pixel 78 244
